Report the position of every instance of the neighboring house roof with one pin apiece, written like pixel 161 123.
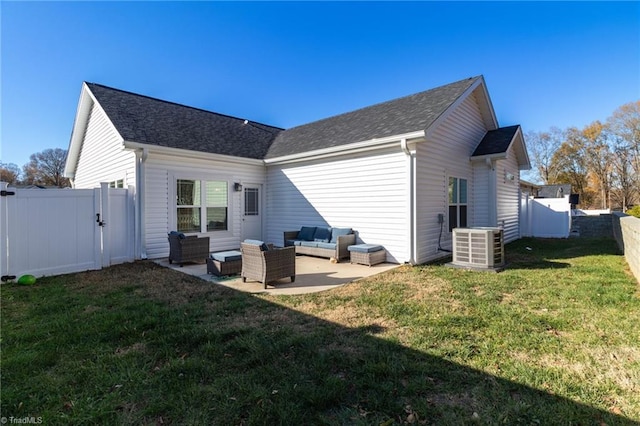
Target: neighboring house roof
pixel 496 143
pixel 151 121
pixel 554 191
pixel 396 117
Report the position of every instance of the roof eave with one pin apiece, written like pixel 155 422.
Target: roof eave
pixel 187 153
pixel 495 156
pixel 352 148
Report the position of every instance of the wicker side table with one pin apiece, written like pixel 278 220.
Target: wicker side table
pixel 224 263
pixel 367 254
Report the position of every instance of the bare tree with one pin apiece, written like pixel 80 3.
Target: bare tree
pixel 542 146
pixel 624 128
pixel 625 182
pixel 9 173
pixel 625 123
pixel 46 168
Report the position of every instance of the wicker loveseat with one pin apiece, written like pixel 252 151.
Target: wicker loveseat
pixel 187 248
pixel 265 263
pixel 321 241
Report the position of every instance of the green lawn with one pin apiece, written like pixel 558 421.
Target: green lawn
pixel 554 339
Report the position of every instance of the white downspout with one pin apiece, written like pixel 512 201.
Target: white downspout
pixel 411 215
pixel 141 244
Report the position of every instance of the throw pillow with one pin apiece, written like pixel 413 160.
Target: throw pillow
pixel 306 233
pixel 336 232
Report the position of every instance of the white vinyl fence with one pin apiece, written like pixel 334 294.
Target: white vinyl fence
pixel 59 231
pixel 545 217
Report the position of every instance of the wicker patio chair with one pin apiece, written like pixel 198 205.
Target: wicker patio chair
pixel 187 248
pixel 267 265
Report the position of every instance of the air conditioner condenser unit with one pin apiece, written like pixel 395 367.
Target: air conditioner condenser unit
pixel 478 248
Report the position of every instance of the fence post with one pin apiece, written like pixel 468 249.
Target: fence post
pixel 132 223
pixel 4 219
pixel 104 226
pixel 97 208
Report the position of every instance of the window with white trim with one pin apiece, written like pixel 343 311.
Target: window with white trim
pixel 457 203
pixel 201 205
pixel 117 183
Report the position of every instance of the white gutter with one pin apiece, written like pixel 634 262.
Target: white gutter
pixel 191 154
pixel 357 147
pixel 411 195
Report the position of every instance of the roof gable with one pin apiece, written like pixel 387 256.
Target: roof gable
pixel 400 116
pixel 151 121
pixel 496 143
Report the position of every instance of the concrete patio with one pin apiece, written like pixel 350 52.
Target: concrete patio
pixel 313 275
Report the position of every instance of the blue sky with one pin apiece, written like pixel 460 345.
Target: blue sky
pixel 545 63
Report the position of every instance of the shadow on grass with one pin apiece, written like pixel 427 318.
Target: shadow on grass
pixel 142 344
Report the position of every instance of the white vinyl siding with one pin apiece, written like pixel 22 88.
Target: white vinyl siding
pixel 508 196
pixel 481 179
pixel 103 157
pixel 445 154
pixel 367 193
pixel 162 171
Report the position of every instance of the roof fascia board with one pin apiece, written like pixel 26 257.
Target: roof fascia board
pixel 77 131
pixel 363 146
pixel 187 153
pixel 526 164
pixel 489 105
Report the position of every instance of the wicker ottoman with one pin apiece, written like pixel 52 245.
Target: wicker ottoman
pixel 224 263
pixel 367 254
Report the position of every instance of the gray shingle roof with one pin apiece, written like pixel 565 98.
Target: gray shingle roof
pixel 496 141
pixel 152 121
pixel 403 115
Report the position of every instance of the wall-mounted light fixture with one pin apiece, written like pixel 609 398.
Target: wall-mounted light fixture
pixel 237 187
pixel 510 176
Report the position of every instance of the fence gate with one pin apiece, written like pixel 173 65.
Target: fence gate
pixel 545 217
pixel 59 231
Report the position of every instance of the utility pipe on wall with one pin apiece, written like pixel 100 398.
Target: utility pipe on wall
pixel 412 199
pixel 141 245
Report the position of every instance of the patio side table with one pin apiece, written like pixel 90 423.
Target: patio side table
pixel 224 263
pixel 367 254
